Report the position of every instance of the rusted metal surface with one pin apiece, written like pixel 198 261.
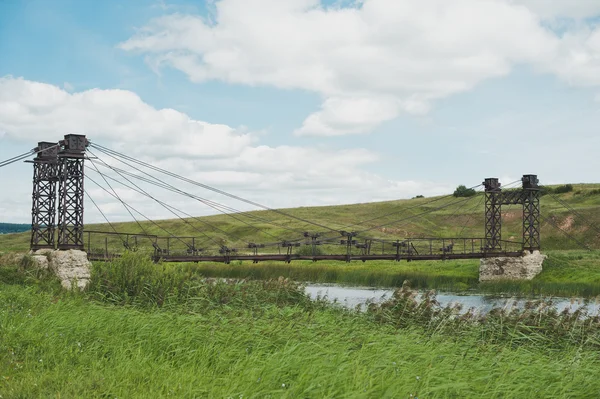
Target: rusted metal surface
pixel 528 197
pixel 43 207
pixel 70 191
pixel 406 249
pixel 59 179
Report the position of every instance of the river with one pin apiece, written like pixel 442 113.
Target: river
pixel 352 296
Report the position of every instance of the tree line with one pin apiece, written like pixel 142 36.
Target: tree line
pixel 6 228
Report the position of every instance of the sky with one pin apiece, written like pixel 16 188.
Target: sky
pixel 303 102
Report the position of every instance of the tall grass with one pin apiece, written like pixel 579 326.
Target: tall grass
pixel 135 280
pixel 257 344
pixel 452 275
pixel 146 331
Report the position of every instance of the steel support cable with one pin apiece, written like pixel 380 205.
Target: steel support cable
pixel 170 208
pixel 205 186
pixel 166 206
pixel 470 213
pixel 432 210
pixel 402 210
pixel 104 216
pixel 140 213
pixel 215 205
pixel 224 206
pixel 120 200
pixel 211 204
pixel 143 192
pixel 25 155
pixel 563 203
pixel 410 217
pixel 549 220
pixel 455 212
pixel 17 158
pixel 414 216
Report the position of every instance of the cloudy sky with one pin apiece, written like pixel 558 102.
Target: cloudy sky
pixel 304 102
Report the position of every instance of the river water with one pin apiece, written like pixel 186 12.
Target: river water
pixel 352 296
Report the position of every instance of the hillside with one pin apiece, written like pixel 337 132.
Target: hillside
pixel 442 217
pixel 8 228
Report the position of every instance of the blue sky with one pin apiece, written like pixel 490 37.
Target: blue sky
pixel 391 110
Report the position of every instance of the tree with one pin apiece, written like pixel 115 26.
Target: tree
pixel 463 191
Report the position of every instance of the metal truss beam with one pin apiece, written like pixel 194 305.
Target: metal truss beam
pixel 70 192
pixel 43 205
pixel 528 196
pixel 493 214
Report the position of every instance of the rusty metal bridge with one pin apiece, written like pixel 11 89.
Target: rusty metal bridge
pixel 58 223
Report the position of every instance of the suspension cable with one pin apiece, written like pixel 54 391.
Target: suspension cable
pixel 104 216
pixel 402 210
pixel 140 213
pixel 17 158
pixel 414 216
pixel 549 220
pixel 563 203
pixel 215 205
pixel 119 198
pixel 170 208
pixel 205 186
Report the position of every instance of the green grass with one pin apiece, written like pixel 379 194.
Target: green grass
pixel 565 273
pixel 120 340
pixel 463 219
pixel 573 272
pixel 448 275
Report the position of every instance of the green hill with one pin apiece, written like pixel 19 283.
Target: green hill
pixel 7 228
pixel 414 218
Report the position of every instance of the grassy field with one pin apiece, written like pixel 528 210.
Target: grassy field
pixel 568 271
pixel 464 219
pixel 141 331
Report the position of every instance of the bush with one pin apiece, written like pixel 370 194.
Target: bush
pixel 134 279
pixel 463 191
pixel 307 250
pixel 567 188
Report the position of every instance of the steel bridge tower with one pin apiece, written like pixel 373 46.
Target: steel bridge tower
pixel 43 208
pixel 528 196
pixel 70 191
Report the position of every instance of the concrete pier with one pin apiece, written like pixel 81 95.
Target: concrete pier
pixel 505 268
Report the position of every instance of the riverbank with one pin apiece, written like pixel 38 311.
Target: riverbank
pixel 147 331
pixel 565 273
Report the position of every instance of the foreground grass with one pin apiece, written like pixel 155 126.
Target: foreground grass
pixel 67 347
pixel 141 331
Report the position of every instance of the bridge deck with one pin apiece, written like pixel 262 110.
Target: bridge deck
pixel 294 257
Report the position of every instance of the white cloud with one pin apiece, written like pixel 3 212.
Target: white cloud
pixel 562 8
pixel 370 62
pixel 373 60
pixel 214 154
pixel 37 111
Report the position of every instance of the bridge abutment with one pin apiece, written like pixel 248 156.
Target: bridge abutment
pixel 525 267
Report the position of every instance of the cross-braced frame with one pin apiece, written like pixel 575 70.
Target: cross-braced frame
pixel 43 205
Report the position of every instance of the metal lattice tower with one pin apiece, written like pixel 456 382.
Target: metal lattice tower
pixel 43 208
pixel 531 213
pixel 493 214
pixel 70 191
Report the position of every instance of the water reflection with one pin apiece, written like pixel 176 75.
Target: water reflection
pixel 351 297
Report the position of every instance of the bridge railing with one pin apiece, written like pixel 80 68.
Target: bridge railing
pixel 108 244
pixel 103 245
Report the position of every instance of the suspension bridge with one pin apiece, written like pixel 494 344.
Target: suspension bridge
pixel 59 173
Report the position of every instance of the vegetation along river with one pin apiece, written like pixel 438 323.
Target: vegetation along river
pixel 352 296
